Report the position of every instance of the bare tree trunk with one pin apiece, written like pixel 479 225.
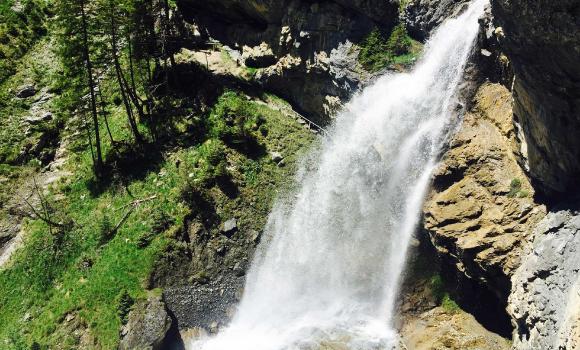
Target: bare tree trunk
pixel 89 136
pixel 89 66
pixel 120 78
pixel 104 112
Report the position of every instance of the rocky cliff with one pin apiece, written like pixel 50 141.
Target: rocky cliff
pixel 499 249
pixel 542 40
pixel 514 151
pixel 515 148
pixel 306 46
pixel 545 299
pixel 481 210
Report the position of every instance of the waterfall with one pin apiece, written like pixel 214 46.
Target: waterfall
pixel 328 268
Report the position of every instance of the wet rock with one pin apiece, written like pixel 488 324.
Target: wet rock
pixel 26 91
pixel 422 16
pixel 200 305
pixel 147 327
pixel 545 301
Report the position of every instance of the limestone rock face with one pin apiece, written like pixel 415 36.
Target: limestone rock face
pixel 542 39
pixel 304 46
pixel 259 56
pixel 422 16
pixel 319 24
pixel 545 301
pixel 477 220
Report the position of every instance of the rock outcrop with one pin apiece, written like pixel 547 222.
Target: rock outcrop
pixel 545 300
pixel 481 209
pixel 422 16
pixel 305 47
pixel 542 40
pixel 450 330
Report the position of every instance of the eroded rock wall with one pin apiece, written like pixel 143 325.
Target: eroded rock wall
pixel 422 16
pixel 476 218
pixel 542 39
pixel 545 300
pixel 305 46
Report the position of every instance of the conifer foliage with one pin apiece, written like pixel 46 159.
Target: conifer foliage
pixel 125 40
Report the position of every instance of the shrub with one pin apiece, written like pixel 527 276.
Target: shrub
pixel 212 161
pixel 378 49
pixel 251 169
pixel 437 287
pixel 373 51
pixel 124 304
pixel 441 295
pixel 204 165
pixel 515 188
pixel 449 304
pixel 234 119
pixel 105 229
pixel 399 42
pixel 523 194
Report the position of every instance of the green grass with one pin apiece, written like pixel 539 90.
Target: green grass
pixel 251 71
pixel 91 273
pixel 38 66
pixel 87 270
pixel 380 50
pixel 18 31
pixel 441 295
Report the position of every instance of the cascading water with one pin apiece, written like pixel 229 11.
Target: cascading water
pixel 328 269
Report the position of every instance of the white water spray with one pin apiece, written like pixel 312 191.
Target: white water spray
pixel 328 270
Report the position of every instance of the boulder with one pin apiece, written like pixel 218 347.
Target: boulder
pixel 26 91
pixel 276 157
pixel 147 327
pixel 230 227
pixel 37 119
pixel 451 330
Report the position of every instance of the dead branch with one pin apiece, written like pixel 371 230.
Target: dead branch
pixel 37 215
pixel 133 205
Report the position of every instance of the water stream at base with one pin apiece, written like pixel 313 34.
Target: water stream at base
pixel 328 269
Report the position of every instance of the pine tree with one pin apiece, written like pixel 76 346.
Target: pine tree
pixel 75 43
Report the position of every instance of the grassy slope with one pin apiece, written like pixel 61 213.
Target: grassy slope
pixel 18 32
pixel 38 66
pixel 81 272
pixel 20 26
pixel 77 273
